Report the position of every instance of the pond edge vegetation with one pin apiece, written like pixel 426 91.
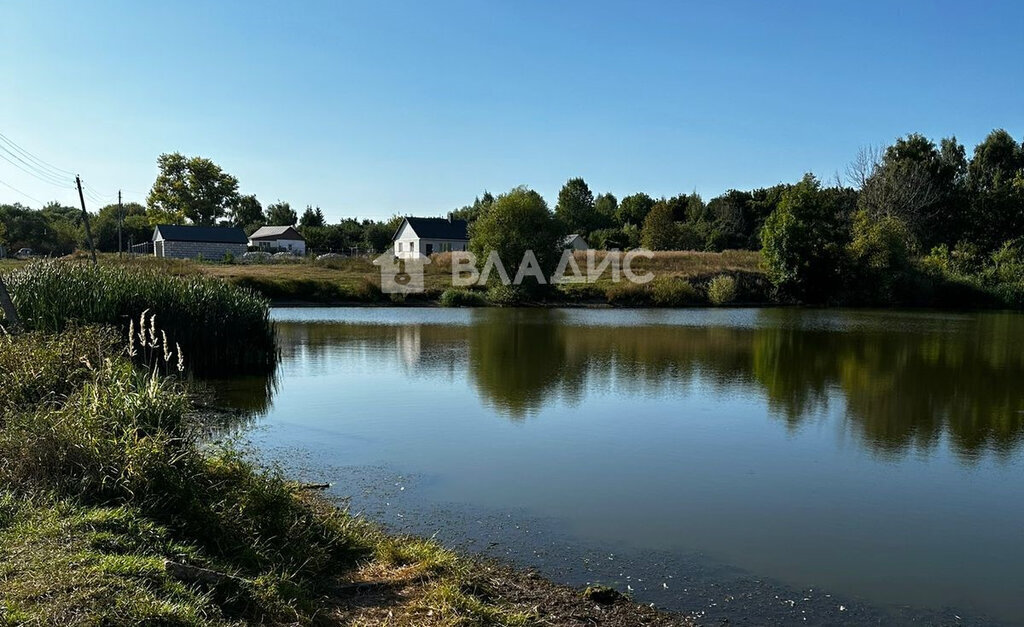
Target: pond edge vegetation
pixel 113 510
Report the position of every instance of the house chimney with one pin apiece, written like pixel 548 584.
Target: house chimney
pixel 449 217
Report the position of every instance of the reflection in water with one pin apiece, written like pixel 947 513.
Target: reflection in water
pixel 905 380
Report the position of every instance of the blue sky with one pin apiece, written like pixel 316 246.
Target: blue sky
pixel 374 108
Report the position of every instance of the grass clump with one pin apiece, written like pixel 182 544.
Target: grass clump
pixel 722 290
pixel 508 295
pixel 673 292
pixel 219 326
pixel 455 297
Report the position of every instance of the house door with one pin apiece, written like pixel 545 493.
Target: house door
pixel 430 249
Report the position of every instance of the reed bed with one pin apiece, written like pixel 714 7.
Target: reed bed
pixel 222 328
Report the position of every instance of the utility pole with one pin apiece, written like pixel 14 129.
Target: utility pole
pixel 85 219
pixel 120 218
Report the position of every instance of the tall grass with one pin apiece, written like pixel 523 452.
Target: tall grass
pixel 82 427
pixel 220 327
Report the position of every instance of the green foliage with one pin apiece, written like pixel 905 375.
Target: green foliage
pixel 722 290
pixel 516 223
pixel 247 213
pixel 804 240
pixel 508 295
pixel 281 214
pixel 660 231
pixel 219 326
pixel 193 188
pixel 575 207
pixel 673 292
pixel 881 252
pixel 454 297
pixel 312 217
pixel 634 209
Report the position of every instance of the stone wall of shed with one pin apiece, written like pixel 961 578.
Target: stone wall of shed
pixel 211 251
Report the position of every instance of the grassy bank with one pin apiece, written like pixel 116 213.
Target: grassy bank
pixel 114 512
pixel 682 278
pixel 221 328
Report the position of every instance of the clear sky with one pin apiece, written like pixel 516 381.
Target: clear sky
pixel 373 108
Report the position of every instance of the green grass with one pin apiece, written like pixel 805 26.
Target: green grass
pixel 102 479
pixel 220 327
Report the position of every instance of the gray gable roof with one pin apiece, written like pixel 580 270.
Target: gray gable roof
pixel 276 232
pixel 438 228
pixel 208 234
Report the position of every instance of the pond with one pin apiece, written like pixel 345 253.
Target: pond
pixel 762 464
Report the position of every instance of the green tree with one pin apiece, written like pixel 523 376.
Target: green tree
pixel 517 222
pixel 134 226
pixel 281 214
pixel 996 184
pixel 606 210
pixel 247 213
pixel 634 209
pixel 191 187
pixel 732 221
pixel 575 207
pixel 469 213
pixel 312 217
pixel 660 230
pixel 804 241
pixel 881 253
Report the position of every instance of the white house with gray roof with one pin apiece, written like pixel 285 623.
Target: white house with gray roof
pixel 419 237
pixel 278 238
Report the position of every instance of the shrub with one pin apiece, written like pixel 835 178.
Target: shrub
pixel 221 327
pixel 508 295
pixel 673 292
pixel 722 290
pixel 627 293
pixel 454 297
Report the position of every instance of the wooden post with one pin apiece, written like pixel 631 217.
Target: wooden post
pixel 13 324
pixel 85 219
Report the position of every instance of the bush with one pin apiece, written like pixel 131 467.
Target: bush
pixel 627 293
pixel 508 295
pixel 722 290
pixel 453 297
pixel 673 292
pixel 221 327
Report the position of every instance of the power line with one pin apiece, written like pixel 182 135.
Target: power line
pixel 22 193
pixel 31 157
pixel 31 170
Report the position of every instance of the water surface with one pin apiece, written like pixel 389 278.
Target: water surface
pixel 876 455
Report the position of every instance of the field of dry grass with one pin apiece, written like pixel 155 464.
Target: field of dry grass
pixel 357 280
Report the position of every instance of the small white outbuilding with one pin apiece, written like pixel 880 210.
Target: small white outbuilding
pixel 278 239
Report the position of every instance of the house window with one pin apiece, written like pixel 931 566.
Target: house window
pixel 399 246
pixel 446 247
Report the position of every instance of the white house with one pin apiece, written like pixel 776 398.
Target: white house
pixel 278 238
pixel 209 242
pixel 576 242
pixel 418 237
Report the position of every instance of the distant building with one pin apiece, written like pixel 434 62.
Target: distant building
pixel 418 237
pixel 278 238
pixel 576 242
pixel 189 242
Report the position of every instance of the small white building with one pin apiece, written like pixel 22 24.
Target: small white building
pixel 212 243
pixel 576 242
pixel 278 239
pixel 417 237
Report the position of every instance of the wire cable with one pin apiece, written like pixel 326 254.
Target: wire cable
pixel 8 185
